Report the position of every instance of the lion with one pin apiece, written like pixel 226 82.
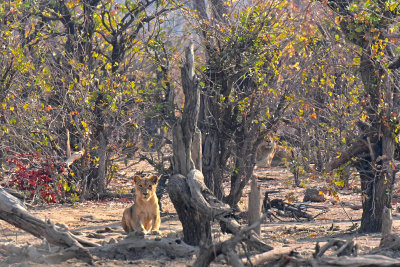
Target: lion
pixel 144 215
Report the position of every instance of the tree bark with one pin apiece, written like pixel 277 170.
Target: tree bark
pixel 185 129
pixel 375 165
pixel 212 171
pixel 102 169
pixel 14 212
pixel 196 226
pixel 197 206
pixel 187 156
pixel 377 178
pixel 254 205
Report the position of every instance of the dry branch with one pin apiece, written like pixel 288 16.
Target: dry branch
pixel 38 255
pixel 254 206
pixel 343 248
pixel 296 211
pixel 267 257
pixel 346 156
pixel 360 261
pixel 74 157
pixel 345 261
pixel 209 252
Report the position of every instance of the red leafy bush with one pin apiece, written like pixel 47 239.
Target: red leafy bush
pixel 35 175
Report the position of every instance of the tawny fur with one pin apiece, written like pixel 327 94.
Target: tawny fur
pixel 144 215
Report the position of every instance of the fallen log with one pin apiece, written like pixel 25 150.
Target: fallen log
pixel 266 257
pixel 44 256
pixel 345 261
pixel 360 261
pixel 15 213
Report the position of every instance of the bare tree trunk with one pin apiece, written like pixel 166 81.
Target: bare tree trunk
pixel 197 154
pixel 187 156
pixel 196 227
pixel 102 169
pixel 186 134
pixel 387 222
pixel 179 152
pixel 200 7
pixel 212 171
pixel 254 205
pixel 379 179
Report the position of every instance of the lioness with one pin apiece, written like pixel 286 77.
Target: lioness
pixel 144 215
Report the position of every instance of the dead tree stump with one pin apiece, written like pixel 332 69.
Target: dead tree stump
pixel 196 226
pixel 254 205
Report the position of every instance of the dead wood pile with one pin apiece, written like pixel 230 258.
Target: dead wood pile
pixel 277 207
pixel 344 254
pixel 68 246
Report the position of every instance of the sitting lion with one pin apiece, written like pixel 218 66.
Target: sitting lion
pixel 144 215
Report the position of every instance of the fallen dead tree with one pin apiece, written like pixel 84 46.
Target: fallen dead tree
pixel 343 248
pixel 130 248
pixel 41 254
pixel 13 211
pixel 277 207
pixel 345 254
pixel 267 257
pixel 345 261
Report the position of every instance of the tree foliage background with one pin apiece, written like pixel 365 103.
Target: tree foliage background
pixel 320 78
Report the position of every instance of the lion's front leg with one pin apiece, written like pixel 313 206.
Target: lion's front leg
pixel 141 227
pixel 156 225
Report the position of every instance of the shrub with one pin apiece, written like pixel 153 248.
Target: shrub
pixel 35 176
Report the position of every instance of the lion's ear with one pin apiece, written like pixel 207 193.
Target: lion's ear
pixel 154 179
pixel 136 179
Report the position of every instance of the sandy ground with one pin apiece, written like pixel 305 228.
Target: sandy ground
pixel 89 218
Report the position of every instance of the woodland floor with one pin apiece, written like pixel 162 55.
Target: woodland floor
pixel 89 219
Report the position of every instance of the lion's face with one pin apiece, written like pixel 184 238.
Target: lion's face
pixel 145 187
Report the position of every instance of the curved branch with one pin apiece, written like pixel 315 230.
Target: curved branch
pixel 352 151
